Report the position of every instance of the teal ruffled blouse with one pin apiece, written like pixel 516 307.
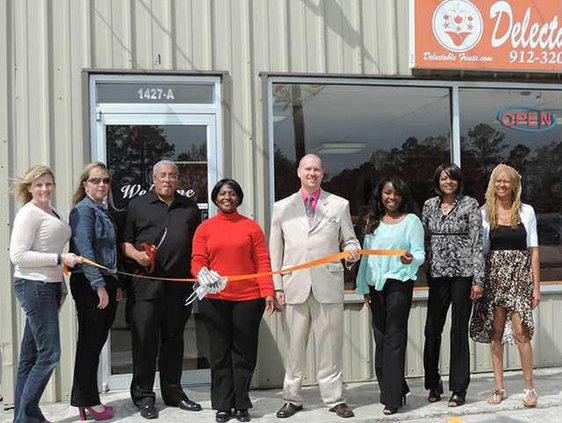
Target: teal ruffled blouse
pixel 407 235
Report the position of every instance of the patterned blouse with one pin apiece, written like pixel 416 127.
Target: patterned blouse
pixel 454 240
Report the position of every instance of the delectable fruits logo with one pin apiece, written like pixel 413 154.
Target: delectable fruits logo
pixel 457 25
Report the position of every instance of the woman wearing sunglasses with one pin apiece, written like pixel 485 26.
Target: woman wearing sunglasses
pixel 95 292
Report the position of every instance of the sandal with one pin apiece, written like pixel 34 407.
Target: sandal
pixel 457 399
pixel 497 397
pixel 530 397
pixel 435 393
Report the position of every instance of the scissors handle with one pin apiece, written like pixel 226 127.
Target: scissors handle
pixel 150 251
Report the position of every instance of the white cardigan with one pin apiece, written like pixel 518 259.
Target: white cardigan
pixel 529 220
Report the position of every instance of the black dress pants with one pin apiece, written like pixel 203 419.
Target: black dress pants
pixel 158 322
pixel 93 329
pixel 390 309
pixel 443 292
pixel 233 328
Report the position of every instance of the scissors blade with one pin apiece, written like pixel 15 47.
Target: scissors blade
pixel 162 238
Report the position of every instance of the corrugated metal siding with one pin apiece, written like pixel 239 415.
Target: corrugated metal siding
pixel 46 45
pixel 358 348
pixel 8 314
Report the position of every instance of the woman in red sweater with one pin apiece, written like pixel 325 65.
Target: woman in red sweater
pixel 232 244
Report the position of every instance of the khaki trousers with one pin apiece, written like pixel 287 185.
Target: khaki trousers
pixel 326 322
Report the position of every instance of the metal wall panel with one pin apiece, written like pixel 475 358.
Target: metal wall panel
pixel 358 348
pixel 45 47
pixel 8 312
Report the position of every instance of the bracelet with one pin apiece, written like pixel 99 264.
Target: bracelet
pixel 59 259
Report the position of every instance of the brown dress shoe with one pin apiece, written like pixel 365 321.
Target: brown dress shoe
pixel 342 410
pixel 288 410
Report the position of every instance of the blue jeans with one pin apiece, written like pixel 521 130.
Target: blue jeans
pixel 40 346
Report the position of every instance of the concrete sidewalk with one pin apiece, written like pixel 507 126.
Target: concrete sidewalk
pixel 363 398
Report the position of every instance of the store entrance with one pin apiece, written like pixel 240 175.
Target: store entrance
pixel 131 138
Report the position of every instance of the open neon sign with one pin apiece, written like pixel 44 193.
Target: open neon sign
pixel 526 119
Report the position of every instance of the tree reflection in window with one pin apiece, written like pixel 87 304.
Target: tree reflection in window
pixel 537 155
pixel 405 131
pixel 131 152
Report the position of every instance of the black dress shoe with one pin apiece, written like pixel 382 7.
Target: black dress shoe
pixel 222 416
pixel 188 405
pixel 288 410
pixel 148 411
pixel 342 410
pixel 242 415
pixel 458 398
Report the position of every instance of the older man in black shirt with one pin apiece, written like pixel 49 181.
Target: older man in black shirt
pixel 158 314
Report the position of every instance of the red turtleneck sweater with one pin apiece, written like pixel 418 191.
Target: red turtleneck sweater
pixel 232 244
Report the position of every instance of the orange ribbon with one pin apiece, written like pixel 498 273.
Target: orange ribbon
pixel 307 265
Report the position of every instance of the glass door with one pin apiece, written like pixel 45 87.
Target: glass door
pixel 131 144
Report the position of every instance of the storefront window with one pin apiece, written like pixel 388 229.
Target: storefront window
pixel 522 128
pixel 361 133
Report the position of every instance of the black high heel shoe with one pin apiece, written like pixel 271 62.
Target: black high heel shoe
pixel 388 410
pixel 435 392
pixel 458 398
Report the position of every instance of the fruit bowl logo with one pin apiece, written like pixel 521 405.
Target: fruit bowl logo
pixel 457 25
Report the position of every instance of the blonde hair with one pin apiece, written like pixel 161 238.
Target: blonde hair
pixel 491 205
pixel 21 187
pixel 80 192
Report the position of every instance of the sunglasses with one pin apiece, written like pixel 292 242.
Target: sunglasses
pixel 98 181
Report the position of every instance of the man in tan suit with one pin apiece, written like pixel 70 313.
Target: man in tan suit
pixel 309 225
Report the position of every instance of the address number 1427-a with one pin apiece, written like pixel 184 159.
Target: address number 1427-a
pixel 155 93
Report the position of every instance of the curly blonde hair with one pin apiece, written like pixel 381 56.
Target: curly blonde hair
pixel 491 205
pixel 22 185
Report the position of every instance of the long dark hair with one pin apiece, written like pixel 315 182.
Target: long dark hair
pixel 375 210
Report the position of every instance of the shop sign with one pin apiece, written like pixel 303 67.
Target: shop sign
pixel 526 119
pixel 513 35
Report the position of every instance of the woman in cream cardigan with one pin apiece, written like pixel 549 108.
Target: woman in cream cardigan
pixel 39 236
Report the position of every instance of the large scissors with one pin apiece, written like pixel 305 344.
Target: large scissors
pixel 151 250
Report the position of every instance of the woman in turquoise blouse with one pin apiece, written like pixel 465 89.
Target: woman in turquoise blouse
pixel 387 282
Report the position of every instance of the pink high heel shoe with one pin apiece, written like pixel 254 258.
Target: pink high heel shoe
pixel 106 414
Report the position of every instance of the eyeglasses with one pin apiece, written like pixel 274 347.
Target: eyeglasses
pixel 98 180
pixel 168 176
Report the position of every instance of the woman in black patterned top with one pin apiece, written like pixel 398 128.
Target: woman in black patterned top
pixel 453 226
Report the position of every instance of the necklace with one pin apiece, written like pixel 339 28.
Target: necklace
pixel 446 208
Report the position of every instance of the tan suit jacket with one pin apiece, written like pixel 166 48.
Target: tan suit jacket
pixel 294 241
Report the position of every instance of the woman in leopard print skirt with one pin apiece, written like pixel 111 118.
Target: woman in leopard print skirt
pixel 505 312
